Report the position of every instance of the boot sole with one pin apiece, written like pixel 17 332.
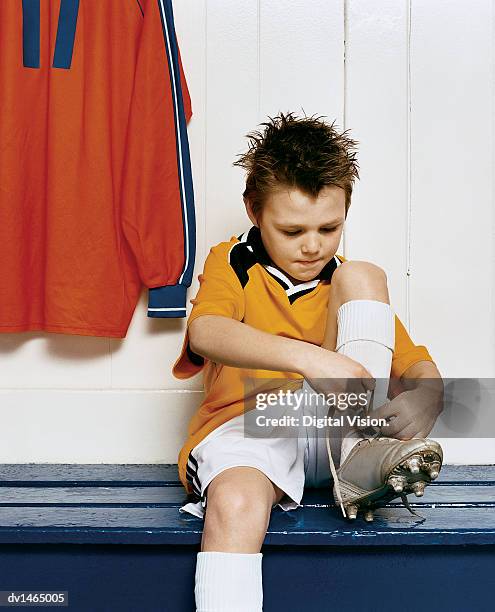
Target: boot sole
pixel 386 492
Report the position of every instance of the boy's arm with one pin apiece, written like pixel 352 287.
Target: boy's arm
pixel 420 374
pixel 233 343
pixel 416 403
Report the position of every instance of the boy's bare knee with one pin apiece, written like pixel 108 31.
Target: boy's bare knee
pixel 237 511
pixel 241 493
pixel 359 280
pixel 350 270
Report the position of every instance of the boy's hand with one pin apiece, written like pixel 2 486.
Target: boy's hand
pixel 330 372
pixel 412 414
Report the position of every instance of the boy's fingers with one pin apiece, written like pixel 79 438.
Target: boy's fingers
pixel 392 429
pixel 422 434
pixel 368 383
pixel 385 411
pixel 406 433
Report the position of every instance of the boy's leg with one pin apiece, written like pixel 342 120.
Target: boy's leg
pixel 240 501
pixel 228 570
pixel 361 325
pixel 353 280
pixel 361 321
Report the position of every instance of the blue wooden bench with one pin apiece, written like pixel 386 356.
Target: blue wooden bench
pixel 112 536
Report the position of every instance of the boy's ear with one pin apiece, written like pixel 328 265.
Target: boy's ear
pixel 249 211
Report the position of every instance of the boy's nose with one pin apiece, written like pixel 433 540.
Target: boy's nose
pixel 310 247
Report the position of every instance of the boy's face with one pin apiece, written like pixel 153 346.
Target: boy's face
pixel 301 233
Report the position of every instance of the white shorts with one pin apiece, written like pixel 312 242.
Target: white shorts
pixel 289 462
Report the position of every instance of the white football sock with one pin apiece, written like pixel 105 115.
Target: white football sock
pixel 228 582
pixel 366 333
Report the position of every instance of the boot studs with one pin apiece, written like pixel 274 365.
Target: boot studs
pixel 397 483
pixel 414 464
pixel 418 488
pixel 352 511
pixel 368 516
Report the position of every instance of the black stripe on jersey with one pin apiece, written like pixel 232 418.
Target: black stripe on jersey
pixel 294 296
pixel 328 269
pixel 195 359
pixel 241 260
pixel 279 280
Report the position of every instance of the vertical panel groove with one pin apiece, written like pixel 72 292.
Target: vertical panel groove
pixel 344 114
pixel 492 267
pixel 409 170
pixel 205 126
pixel 110 355
pixel 258 51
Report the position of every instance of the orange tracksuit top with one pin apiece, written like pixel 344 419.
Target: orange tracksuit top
pixel 95 181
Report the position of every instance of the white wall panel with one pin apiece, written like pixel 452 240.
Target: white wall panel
pixel 231 111
pixel 144 359
pixel 94 426
pixel 451 283
pixel 377 114
pixel 301 58
pixel 35 359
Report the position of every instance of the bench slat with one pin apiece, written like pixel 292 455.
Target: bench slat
pixel 124 525
pixel 175 495
pixel 77 472
pixel 135 474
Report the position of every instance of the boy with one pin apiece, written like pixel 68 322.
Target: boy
pixel 277 301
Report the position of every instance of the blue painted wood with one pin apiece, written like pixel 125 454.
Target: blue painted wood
pixel 105 474
pixel 161 579
pixel 113 537
pixel 408 579
pixel 119 474
pixel 104 578
pixel 88 511
pixel 174 496
pixel 303 527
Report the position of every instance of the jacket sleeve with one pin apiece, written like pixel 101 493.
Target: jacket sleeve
pixel 158 217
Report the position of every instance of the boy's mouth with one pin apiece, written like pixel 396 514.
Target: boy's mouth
pixel 306 262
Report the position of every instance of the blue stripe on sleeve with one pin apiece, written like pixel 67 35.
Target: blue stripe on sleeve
pixel 66 33
pixel 31 33
pixel 182 143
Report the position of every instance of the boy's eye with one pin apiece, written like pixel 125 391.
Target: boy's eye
pixel 325 230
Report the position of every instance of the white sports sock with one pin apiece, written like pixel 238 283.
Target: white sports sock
pixel 366 333
pixel 228 582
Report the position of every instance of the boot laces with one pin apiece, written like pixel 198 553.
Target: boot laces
pixel 374 436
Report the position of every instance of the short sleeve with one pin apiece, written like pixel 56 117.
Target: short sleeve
pixel 220 293
pixel 406 353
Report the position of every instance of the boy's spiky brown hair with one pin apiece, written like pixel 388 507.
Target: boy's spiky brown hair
pixel 304 153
